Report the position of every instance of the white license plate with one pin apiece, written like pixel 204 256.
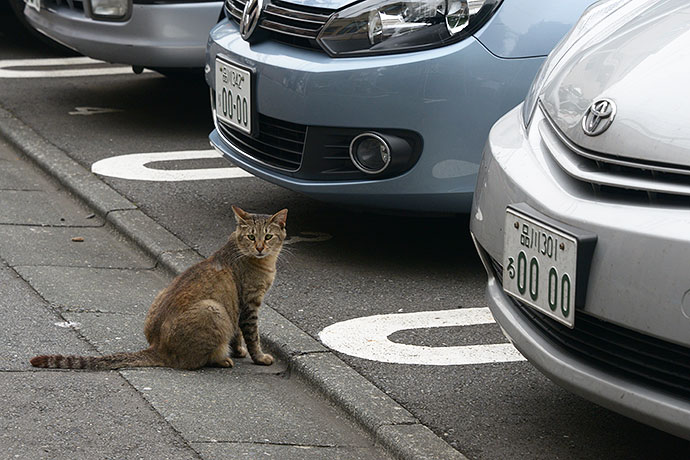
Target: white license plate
pixel 234 95
pixel 35 4
pixel 539 266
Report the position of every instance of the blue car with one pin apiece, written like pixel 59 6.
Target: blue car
pixel 377 103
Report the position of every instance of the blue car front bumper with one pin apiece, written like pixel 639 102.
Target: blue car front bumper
pixel 448 96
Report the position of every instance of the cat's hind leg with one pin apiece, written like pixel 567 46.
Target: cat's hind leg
pixel 200 335
pixel 237 345
pixel 221 357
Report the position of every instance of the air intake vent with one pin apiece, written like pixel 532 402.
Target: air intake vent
pixel 76 5
pixel 614 348
pixel 280 144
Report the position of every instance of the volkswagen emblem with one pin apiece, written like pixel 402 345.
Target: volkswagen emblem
pixel 250 17
pixel 598 117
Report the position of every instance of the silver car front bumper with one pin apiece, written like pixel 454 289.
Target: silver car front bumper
pixel 637 297
pixel 156 36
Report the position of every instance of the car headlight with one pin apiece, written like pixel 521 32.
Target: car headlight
pixel 113 10
pixel 390 26
pixel 598 19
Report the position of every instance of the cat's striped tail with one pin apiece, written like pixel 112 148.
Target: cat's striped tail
pixel 143 358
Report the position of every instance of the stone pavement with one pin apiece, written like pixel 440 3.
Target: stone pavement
pixel 71 284
pixel 88 262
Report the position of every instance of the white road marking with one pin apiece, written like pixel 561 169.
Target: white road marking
pixel 92 110
pixel 133 167
pixel 12 68
pixel 367 338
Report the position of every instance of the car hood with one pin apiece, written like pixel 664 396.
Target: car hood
pixel 643 68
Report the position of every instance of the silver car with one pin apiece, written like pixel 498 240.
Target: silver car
pixel 582 213
pixel 155 34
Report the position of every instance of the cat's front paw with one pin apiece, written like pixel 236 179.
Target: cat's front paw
pixel 264 359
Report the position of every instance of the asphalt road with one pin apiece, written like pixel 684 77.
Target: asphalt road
pixel 340 264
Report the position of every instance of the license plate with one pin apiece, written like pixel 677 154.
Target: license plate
pixel 540 266
pixel 35 4
pixel 234 95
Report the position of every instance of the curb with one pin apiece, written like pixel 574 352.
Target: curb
pixel 391 425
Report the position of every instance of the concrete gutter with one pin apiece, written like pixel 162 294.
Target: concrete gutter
pixel 391 425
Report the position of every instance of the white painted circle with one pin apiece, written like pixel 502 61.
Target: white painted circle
pixel 134 167
pixel 367 338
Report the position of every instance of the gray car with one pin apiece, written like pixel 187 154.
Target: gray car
pixel 156 34
pixel 582 213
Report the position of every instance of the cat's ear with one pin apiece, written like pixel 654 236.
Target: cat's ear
pixel 279 218
pixel 241 216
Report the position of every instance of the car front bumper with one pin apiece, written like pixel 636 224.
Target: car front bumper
pixel 638 288
pixel 155 36
pixel 450 96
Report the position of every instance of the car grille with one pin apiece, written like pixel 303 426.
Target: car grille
pixel 280 144
pixel 294 25
pixel 76 5
pixel 614 177
pixel 614 348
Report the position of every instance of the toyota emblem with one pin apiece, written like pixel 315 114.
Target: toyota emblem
pixel 598 117
pixel 250 17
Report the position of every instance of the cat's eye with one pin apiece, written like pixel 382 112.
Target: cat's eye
pixel 251 237
pixel 268 237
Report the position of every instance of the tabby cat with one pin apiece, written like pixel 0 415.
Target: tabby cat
pixel 207 311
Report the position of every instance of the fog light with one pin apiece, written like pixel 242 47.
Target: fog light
pixel 110 9
pixel 370 153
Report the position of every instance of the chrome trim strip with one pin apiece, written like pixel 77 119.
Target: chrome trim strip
pixel 288 30
pixel 568 161
pixel 296 15
pixel 605 158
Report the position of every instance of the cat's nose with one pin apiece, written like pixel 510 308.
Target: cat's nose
pixel 259 249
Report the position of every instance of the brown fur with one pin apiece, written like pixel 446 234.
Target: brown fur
pixel 207 311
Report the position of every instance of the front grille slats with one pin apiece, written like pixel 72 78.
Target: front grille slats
pixel 279 144
pixel 291 144
pixel 288 29
pixel 615 348
pixel 286 128
pixel 74 5
pixel 236 15
pixel 287 23
pixel 613 177
pixel 296 15
pixel 670 379
pixel 630 342
pixel 269 143
pixel 269 156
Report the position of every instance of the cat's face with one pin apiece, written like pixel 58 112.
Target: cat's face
pixel 260 235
